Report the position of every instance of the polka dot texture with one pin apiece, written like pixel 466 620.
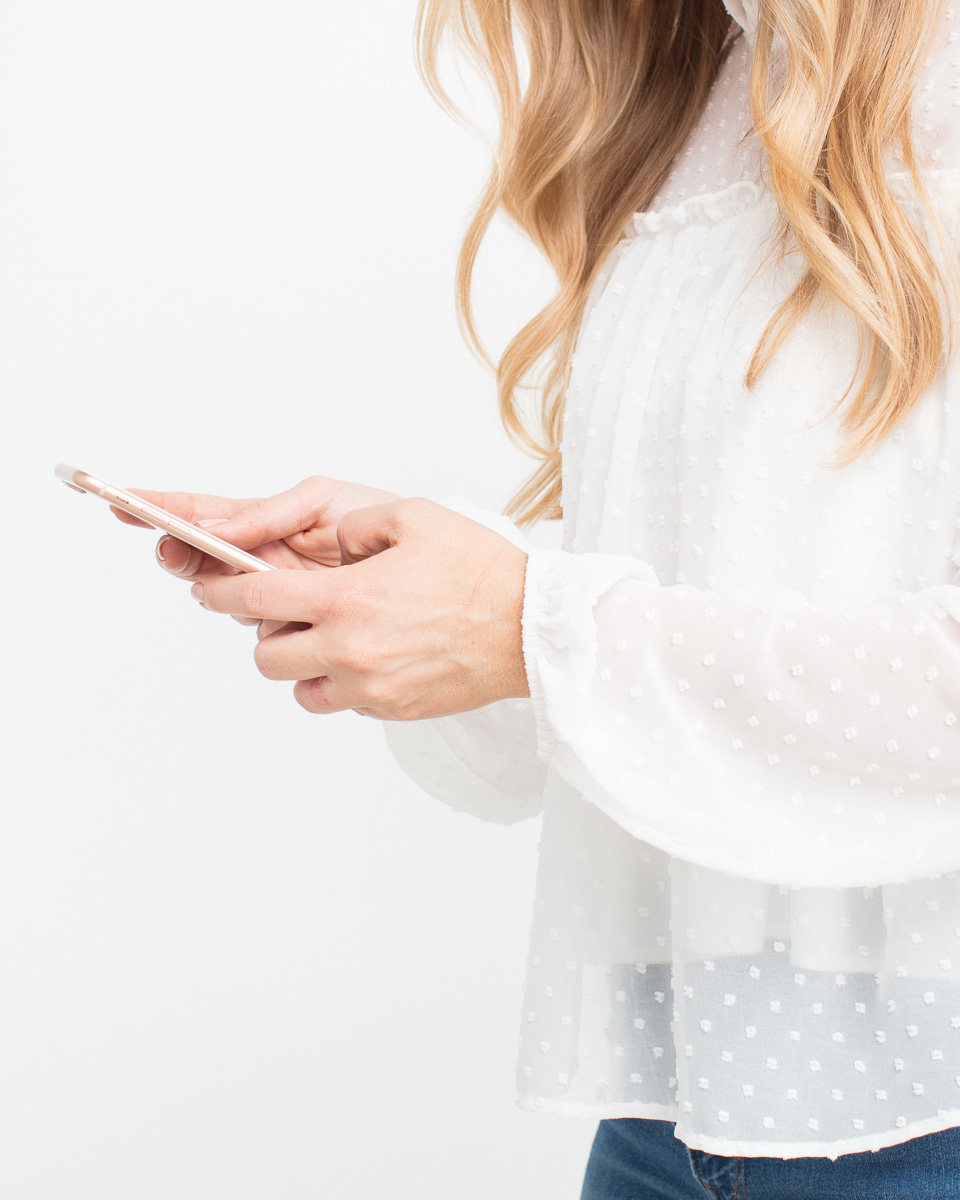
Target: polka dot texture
pixel 745 696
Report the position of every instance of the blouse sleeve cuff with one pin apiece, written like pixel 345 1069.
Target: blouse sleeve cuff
pixel 540 604
pixel 560 634
pixel 558 628
pixel 535 618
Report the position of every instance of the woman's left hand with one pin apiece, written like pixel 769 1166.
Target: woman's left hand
pixel 422 618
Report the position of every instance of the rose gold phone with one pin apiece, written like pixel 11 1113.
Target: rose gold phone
pixel 193 535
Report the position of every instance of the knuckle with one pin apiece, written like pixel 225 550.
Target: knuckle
pixel 380 693
pixel 414 508
pixel 388 696
pixel 251 595
pixel 408 710
pixel 313 494
pixel 252 514
pixel 350 599
pixel 358 655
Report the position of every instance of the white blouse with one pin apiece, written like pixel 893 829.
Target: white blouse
pixel 745 692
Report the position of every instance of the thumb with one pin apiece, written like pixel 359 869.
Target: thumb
pixel 269 519
pixel 367 531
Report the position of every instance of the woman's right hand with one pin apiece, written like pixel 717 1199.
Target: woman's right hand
pixel 295 528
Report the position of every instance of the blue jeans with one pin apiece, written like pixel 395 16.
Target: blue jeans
pixel 638 1159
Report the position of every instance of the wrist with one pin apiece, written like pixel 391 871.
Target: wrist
pixel 511 674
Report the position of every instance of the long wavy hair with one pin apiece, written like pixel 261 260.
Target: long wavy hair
pixel 595 99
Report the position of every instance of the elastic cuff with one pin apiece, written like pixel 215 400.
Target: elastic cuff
pixel 535 606
pixel 560 633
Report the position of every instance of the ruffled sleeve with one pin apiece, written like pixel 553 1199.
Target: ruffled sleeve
pixel 785 741
pixel 483 762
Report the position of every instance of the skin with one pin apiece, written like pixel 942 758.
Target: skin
pixel 397 608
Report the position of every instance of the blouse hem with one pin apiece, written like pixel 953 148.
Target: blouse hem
pixel 854 1145
pixel 740 1148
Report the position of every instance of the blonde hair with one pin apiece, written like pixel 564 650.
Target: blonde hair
pixel 614 88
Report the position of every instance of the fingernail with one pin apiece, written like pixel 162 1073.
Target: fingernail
pixel 165 559
pixel 197 591
pixel 212 521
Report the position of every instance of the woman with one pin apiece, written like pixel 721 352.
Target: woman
pixel 734 693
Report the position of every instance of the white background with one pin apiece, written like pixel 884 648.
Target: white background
pixel 293 974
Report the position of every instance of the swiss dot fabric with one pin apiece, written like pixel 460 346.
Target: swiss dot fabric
pixel 745 692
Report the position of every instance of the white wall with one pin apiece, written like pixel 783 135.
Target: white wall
pixel 300 976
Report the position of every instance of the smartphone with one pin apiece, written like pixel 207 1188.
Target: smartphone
pixel 193 535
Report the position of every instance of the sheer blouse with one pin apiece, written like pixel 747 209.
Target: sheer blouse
pixel 744 669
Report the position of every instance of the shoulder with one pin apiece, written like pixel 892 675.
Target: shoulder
pixel 936 101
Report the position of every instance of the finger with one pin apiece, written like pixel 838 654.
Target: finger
pixel 289 653
pixel 322 695
pixel 191 506
pixel 367 531
pixel 195 507
pixel 268 627
pixel 129 518
pixel 275 517
pixel 281 595
pixel 263 627
pixel 186 561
